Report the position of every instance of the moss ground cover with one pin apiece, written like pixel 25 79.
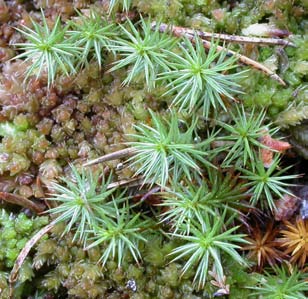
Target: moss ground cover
pixel 187 211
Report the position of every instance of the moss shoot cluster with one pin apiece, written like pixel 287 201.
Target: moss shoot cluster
pixel 174 217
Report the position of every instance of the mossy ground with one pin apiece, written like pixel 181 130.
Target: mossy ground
pixel 90 114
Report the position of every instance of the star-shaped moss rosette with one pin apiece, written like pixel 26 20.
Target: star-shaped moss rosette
pixel 93 35
pixel 264 247
pixel 186 202
pixel 200 80
pixel 208 239
pixel 281 284
pixel 48 50
pixel 142 50
pixel 81 202
pixel 163 150
pixel 295 241
pixel 119 236
pixel 266 183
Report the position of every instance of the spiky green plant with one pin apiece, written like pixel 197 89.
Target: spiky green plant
pixel 92 34
pixel 265 183
pixel 164 150
pixel 187 203
pixel 47 50
pixel 282 285
pixel 81 201
pixel 198 79
pixel 113 4
pixel 245 132
pixel 120 235
pixel 204 246
pixel 142 50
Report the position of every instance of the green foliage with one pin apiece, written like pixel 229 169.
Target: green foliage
pixel 283 285
pixel 120 235
pixel 92 34
pixel 87 204
pixel 143 50
pixel 198 79
pixel 83 201
pixel 264 182
pixel 8 129
pixel 187 203
pixel 164 150
pixel 205 244
pixel 15 231
pixel 239 280
pixel 47 50
pixel 198 197
pixel 245 132
pixel 292 115
pixel 113 4
pixel 16 144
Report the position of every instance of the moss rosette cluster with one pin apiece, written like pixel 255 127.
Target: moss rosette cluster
pixel 77 101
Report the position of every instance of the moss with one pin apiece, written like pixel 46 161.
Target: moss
pixel 15 231
pixel 90 114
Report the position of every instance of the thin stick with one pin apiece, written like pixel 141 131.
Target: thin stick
pixel 238 39
pixel 24 253
pixel 129 183
pixel 22 201
pixel 112 156
pixel 149 193
pixel 245 60
pixel 181 31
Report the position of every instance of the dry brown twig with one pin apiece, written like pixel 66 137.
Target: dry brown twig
pixel 238 39
pixel 22 201
pixel 24 253
pixel 112 156
pixel 205 36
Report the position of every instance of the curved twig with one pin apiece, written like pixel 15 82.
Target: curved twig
pixel 24 253
pixel 238 39
pixel 22 201
pixel 189 33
